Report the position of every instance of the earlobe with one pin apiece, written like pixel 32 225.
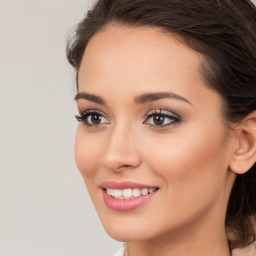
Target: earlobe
pixel 244 154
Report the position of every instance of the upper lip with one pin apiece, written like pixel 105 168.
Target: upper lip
pixel 124 185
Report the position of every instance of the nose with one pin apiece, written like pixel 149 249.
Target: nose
pixel 121 151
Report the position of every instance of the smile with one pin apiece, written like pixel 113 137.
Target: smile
pixel 126 196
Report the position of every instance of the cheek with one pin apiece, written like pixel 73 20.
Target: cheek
pixel 192 164
pixel 87 152
pixel 88 149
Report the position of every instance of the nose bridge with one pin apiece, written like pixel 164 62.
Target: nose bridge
pixel 120 151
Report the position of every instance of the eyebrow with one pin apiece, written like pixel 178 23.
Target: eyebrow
pixel 141 99
pixel 148 97
pixel 90 97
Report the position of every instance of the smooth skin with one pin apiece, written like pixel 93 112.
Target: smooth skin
pixel 176 140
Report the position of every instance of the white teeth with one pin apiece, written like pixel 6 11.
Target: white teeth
pixel 129 192
pixel 117 193
pixel 110 191
pixel 144 191
pixel 151 190
pixel 136 192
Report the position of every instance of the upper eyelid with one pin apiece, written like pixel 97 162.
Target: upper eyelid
pixel 91 111
pixel 163 112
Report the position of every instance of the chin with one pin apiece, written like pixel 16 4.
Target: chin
pixel 125 235
pixel 127 228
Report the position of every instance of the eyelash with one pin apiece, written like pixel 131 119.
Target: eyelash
pixel 84 117
pixel 163 114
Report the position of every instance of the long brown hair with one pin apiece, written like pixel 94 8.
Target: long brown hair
pixel 224 31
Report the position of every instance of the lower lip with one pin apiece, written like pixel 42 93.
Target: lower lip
pixel 125 204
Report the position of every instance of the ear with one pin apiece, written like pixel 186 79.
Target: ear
pixel 244 154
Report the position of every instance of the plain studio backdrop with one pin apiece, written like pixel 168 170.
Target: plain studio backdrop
pixel 44 207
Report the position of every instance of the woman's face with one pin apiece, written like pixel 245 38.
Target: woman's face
pixel 152 136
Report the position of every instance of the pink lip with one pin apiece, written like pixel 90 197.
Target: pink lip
pixel 125 204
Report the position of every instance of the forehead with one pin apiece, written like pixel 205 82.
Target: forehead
pixel 137 60
pixel 132 46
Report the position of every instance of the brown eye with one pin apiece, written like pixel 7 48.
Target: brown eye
pixel 95 119
pixel 158 120
pixel 162 119
pixel 92 118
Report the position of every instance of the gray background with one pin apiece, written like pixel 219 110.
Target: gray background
pixel 44 206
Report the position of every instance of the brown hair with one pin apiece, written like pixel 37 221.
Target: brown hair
pixel 224 31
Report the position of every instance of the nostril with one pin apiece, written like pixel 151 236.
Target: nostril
pixel 125 166
pixel 117 160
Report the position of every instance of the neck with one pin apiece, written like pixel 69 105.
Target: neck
pixel 189 249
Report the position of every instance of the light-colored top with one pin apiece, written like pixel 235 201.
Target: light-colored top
pixel 247 251
pixel 120 252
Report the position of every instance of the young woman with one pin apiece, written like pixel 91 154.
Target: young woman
pixel 166 143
